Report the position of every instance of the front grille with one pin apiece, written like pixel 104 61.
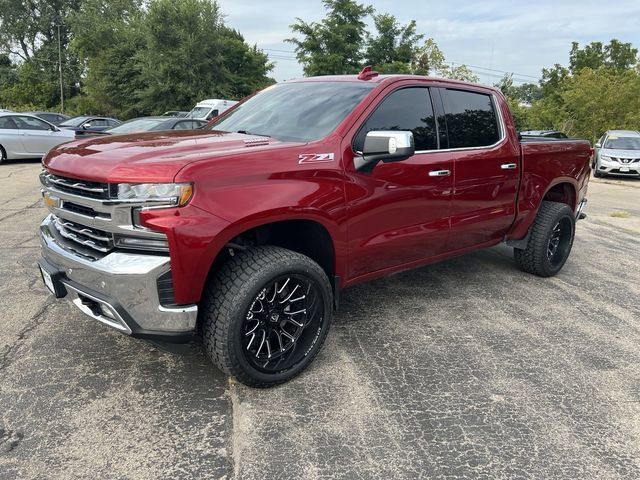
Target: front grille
pixel 73 186
pixel 626 161
pixel 84 210
pixel 85 238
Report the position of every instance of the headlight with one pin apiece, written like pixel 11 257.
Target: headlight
pixel 175 194
pixel 606 159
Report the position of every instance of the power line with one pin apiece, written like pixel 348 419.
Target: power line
pixel 516 76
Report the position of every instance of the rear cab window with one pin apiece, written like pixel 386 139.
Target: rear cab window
pixel 471 119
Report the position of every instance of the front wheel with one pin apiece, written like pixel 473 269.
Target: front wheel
pixel 550 242
pixel 265 315
pixel 596 171
pixel 3 155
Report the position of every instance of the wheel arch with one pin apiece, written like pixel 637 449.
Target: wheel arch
pixel 307 233
pixel 561 191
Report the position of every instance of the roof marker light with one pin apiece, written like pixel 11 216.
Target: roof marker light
pixel 367 73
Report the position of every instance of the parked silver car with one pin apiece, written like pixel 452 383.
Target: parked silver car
pixel 26 136
pixel 618 153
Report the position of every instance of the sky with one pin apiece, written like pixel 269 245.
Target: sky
pixel 493 36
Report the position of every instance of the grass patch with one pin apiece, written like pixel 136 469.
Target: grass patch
pixel 620 214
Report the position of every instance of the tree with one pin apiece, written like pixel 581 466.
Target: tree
pixel 29 33
pixel 429 60
pixel 166 56
pixel 616 55
pixel 107 39
pixel 190 54
pixel 335 45
pixel 394 47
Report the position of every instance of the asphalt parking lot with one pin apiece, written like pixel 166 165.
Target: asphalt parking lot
pixel 464 369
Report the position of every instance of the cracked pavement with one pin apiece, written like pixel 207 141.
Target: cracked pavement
pixel 464 369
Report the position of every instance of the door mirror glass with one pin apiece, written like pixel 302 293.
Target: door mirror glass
pixel 385 146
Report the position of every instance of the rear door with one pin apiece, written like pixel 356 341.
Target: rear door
pixel 10 137
pixel 487 168
pixel 399 212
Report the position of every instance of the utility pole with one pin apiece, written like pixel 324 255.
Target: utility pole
pixel 60 70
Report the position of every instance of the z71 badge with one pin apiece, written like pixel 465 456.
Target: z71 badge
pixel 315 158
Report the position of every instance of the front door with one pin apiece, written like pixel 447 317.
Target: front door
pixel 399 212
pixel 37 135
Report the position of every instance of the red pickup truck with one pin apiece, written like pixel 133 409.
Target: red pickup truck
pixel 246 231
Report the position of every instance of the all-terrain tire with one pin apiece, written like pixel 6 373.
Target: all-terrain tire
pixel 230 295
pixel 536 258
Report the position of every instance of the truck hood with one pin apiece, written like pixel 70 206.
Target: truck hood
pixel 147 157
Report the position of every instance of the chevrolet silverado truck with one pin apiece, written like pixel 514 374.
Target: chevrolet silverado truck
pixel 246 232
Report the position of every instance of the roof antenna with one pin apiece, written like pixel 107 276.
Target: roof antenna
pixel 367 73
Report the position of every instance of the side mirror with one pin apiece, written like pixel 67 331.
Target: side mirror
pixel 385 146
pixel 597 145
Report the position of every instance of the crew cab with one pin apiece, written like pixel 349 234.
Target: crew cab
pixel 247 231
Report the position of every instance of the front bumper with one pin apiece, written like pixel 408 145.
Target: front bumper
pixel 609 167
pixel 119 290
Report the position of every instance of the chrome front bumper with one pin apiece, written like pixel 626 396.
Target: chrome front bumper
pixel 119 290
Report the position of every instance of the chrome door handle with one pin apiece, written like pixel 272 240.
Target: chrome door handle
pixel 509 166
pixel 439 173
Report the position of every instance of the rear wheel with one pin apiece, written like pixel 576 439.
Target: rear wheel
pixel 265 315
pixel 550 241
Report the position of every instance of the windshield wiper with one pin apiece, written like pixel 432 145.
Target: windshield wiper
pixel 247 132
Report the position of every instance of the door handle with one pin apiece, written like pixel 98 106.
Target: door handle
pixel 439 173
pixel 509 166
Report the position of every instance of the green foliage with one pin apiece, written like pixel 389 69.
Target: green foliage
pixel 340 44
pixel 124 57
pixel 616 55
pixel 394 47
pixel 599 91
pixel 190 55
pixel 29 32
pixel 334 45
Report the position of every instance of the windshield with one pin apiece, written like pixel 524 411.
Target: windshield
pixel 137 125
pixel 73 122
pixel 299 112
pixel 199 112
pixel 623 143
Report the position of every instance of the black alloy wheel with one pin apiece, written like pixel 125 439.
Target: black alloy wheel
pixel 265 315
pixel 550 240
pixel 283 323
pixel 559 241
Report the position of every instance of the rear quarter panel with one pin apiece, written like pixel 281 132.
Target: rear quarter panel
pixel 546 164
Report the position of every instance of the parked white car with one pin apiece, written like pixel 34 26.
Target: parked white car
pixel 26 136
pixel 207 109
pixel 617 153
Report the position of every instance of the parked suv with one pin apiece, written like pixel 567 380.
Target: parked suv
pixel 617 153
pixel 247 231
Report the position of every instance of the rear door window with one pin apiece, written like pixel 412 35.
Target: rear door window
pixel 31 123
pixel 471 119
pixel 7 123
pixel 405 109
